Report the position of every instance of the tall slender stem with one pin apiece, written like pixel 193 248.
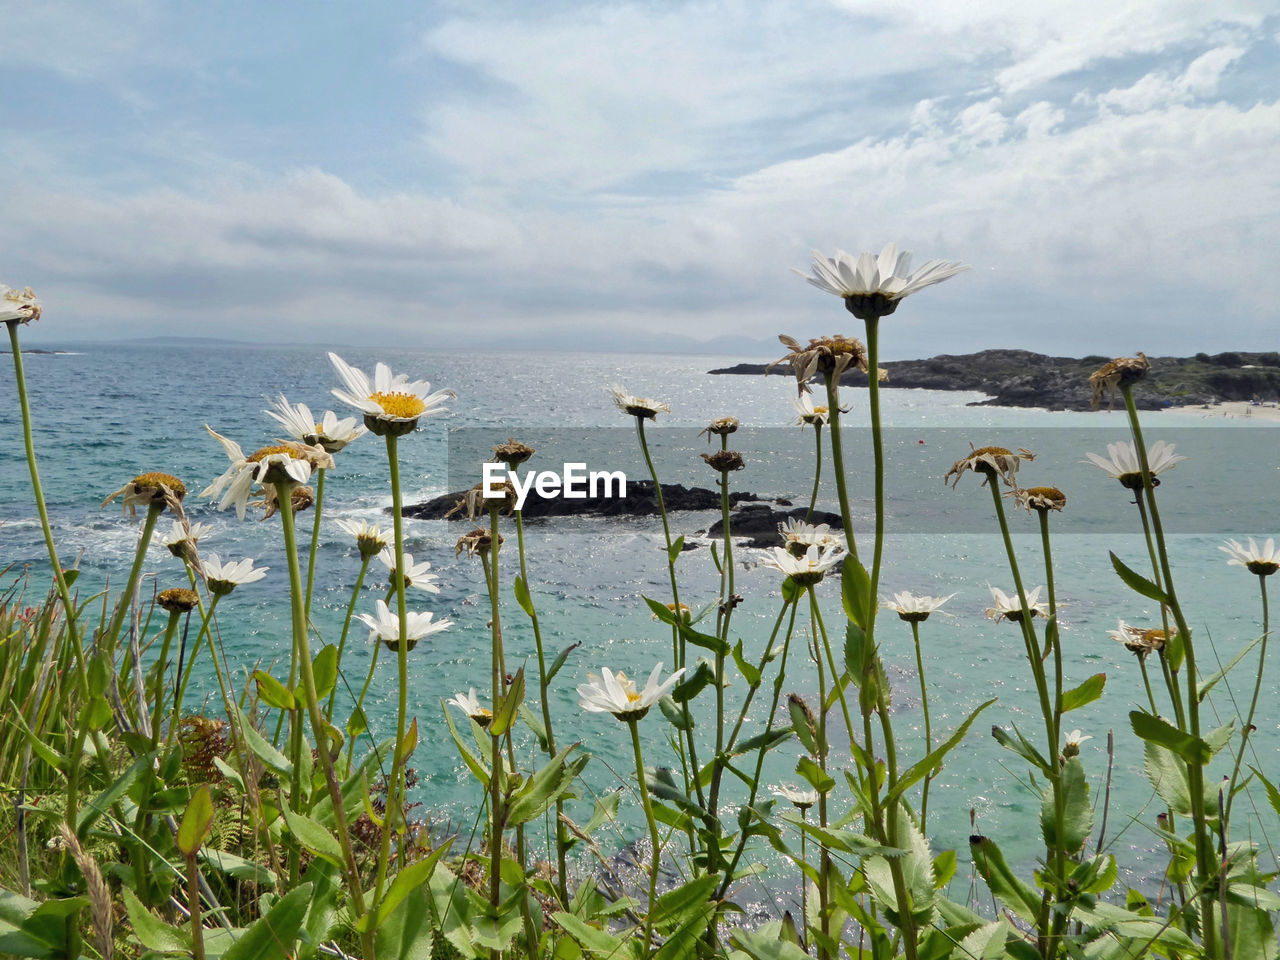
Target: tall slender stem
pixel 837 461
pixel 817 471
pixel 654 839
pixel 1247 729
pixel 928 730
pixel 346 626
pixel 315 543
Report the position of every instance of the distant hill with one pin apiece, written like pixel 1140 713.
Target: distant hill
pixel 1021 378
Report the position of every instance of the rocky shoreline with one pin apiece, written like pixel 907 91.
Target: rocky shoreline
pixel 1021 378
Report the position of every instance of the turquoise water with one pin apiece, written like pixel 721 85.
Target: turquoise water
pixel 107 412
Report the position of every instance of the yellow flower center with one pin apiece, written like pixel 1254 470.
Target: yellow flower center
pixel 404 405
pixel 632 697
pixel 259 455
pixel 992 451
pixel 821 410
pixel 161 480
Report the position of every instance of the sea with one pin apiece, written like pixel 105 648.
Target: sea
pixel 105 412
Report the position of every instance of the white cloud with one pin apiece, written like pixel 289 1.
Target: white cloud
pixel 1199 80
pixel 1040 119
pixel 983 122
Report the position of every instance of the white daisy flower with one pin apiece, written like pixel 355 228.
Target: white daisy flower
pixel 808 569
pixel 1008 608
pixel 150 489
pixel 222 578
pixel 328 432
pixel 1263 561
pixel 1071 743
pixel 799 536
pixel 182 539
pixel 21 306
pixel 813 414
pixel 469 704
pixel 391 403
pixel 641 407
pixel 1122 462
pixel 415 574
pixel 616 693
pixel 369 536
pixel 802 799
pixel 385 626
pixel 912 608
pixel 871 285
pixel 288 460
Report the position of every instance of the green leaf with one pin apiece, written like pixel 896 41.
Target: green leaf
pixel 238 867
pixel 479 769
pixel 196 821
pixel 661 611
pixel 597 941
pixel 1022 747
pixel 815 775
pixel 705 640
pixel 855 592
pixel 42 749
pixel 152 932
pixel 921 768
pixel 274 693
pixel 1205 686
pixel 558 662
pixel 606 811
pixel 522 596
pixel 944 868
pixel 692 684
pixel 324 669
pixel 410 933
pixel 263 750
pixel 757 946
pixel 1077 812
pixel 1219 737
pixel 1087 692
pixel 673 553
pixel 800 725
pixel 1191 749
pixel 674 714
pixel 1273 795
pixel 357 723
pixel 100 804
pixel 504 713
pixel 677 907
pixel 1138 583
pixel 552 781
pixel 272 937
pixel 1003 882
pixel 407 880
pixel 313 836
pixel 857 653
pixel 748 671
pixel 96 714
pixel 405 748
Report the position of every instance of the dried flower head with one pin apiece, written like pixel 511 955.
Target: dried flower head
pixel 1137 640
pixel 871 285
pixel 723 460
pixel 830 356
pixel 990 462
pixel 720 427
pixel 178 599
pixel 642 408
pixel 1009 608
pixel 150 489
pixel 18 306
pixel 512 453
pixel 1042 499
pixel 1123 463
pixel 796 705
pixel 1262 561
pixel 800 799
pixel 300 498
pixel 1117 374
pixel 474 503
pixel 183 537
pixel 477 541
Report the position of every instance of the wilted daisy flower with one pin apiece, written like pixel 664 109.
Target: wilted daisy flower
pixel 222 578
pixel 512 453
pixel 720 427
pixel 1071 743
pixel 1008 608
pixel 723 460
pixel 369 537
pixel 802 799
pixel 1122 463
pixel 415 574
pixel 914 609
pixel 990 462
pixel 616 693
pixel 149 489
pixel 391 404
pixel 469 704
pixel 642 408
pixel 872 286
pixel 825 355
pixel 328 432
pixel 1263 561
pixel 182 538
pixel 811 414
pixel 477 540
pixel 385 626
pixel 799 536
pixel 1042 499
pixel 1117 373
pixel 287 461
pixel 18 306
pixel 178 599
pixel 1137 640
pixel 806 570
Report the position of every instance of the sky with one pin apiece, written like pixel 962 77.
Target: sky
pixel 489 174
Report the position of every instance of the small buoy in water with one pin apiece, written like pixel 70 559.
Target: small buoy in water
pixel 919 441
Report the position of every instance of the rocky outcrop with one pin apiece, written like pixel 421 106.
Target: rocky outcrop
pixel 1021 378
pixel 639 501
pixel 756 524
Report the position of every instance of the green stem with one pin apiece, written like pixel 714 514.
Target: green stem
pixel 928 730
pixel 108 639
pixel 817 471
pixel 1253 704
pixel 346 626
pixel 724 616
pixel 315 543
pixel 654 839
pixel 157 697
pixel 837 459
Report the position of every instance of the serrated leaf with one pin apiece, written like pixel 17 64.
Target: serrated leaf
pixel 274 693
pixel 508 707
pixel 855 593
pixel 1205 686
pixel 152 932
pixel 1087 692
pixel 1191 749
pixel 748 671
pixel 1077 819
pixel 550 782
pixel 1004 884
pixel 263 750
pixel 410 878
pixel 272 936
pixel 922 768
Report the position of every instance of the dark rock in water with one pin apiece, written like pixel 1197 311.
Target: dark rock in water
pixel 1021 378
pixel 757 523
pixel 639 501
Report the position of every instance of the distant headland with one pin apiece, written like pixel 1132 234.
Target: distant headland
pixel 1021 378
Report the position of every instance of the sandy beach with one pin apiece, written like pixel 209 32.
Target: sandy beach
pixel 1236 410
